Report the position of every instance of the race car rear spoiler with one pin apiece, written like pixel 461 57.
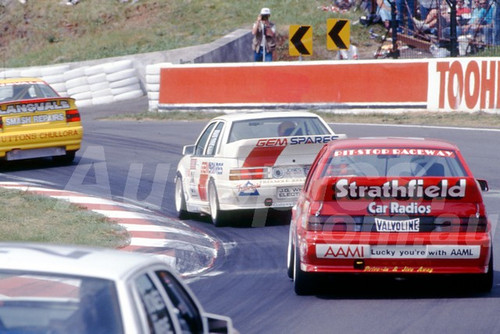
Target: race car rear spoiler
pixel 277 150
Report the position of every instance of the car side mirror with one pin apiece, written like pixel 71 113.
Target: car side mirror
pixel 219 324
pixel 483 184
pixel 188 150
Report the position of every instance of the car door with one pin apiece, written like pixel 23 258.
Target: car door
pixel 202 162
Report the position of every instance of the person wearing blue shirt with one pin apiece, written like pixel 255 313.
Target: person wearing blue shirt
pixel 481 21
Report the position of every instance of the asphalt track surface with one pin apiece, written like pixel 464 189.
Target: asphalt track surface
pixel 134 162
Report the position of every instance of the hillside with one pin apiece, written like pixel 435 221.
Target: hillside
pixel 42 32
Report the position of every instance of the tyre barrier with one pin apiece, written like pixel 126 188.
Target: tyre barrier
pixel 153 84
pixel 89 85
pixel 98 84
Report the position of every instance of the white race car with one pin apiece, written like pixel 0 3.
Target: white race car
pixel 248 161
pixel 74 289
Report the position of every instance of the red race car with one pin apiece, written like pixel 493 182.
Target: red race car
pixel 390 206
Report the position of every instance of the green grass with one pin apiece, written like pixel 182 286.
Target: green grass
pixel 459 119
pixel 27 217
pixel 45 32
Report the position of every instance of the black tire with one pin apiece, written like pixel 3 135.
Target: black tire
pixel 304 283
pixel 180 199
pixel 484 282
pixel 290 258
pixel 64 159
pixel 219 218
pixel 279 217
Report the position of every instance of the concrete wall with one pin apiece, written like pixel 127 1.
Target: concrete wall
pixel 235 47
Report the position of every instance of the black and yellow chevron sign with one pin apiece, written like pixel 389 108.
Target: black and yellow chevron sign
pixel 300 40
pixel 338 34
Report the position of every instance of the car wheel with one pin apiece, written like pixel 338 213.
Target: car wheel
pixel 65 159
pixel 284 216
pixel 219 218
pixel 180 199
pixel 290 259
pixel 303 282
pixel 484 282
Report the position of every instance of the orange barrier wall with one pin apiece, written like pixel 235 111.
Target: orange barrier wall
pixel 294 82
pixel 446 84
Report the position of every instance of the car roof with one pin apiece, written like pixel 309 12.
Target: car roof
pixel 263 114
pixel 73 260
pixel 363 142
pixel 20 80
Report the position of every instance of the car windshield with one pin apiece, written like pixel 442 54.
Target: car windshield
pixel 277 127
pixel 34 303
pixel 25 90
pixel 394 162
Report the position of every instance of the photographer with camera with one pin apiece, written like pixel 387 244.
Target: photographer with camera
pixel 264 40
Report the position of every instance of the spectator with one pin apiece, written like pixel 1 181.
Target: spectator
pixel 264 40
pixel 463 12
pixel 344 4
pixel 496 23
pixel 481 22
pixel 351 53
pixel 384 11
pixel 432 19
pixel 405 8
pixel 426 6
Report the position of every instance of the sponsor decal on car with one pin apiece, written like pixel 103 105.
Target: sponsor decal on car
pixel 312 140
pixel 267 142
pixel 393 189
pixel 215 168
pixel 248 189
pixel 34 107
pixel 57 134
pixel 288 192
pixel 294 171
pixel 10 121
pixel 334 251
pixel 43 135
pixel 397 208
pixel 409 225
pixel 398 269
pixel 394 151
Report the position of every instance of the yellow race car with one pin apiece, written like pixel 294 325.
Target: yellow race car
pixel 35 122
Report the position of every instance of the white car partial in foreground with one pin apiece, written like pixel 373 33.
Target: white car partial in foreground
pixel 248 161
pixel 68 289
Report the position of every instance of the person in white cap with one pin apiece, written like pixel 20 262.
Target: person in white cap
pixel 264 36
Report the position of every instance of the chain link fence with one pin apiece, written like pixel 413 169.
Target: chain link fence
pixel 436 28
